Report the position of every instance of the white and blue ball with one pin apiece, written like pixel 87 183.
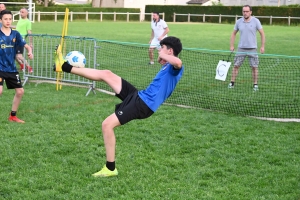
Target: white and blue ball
pixel 76 59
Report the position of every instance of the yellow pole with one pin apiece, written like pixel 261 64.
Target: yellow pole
pixel 61 49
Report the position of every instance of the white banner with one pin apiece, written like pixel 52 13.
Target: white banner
pixel 222 70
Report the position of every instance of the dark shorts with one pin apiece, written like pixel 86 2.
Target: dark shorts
pixel 20 50
pixel 132 107
pixel 12 80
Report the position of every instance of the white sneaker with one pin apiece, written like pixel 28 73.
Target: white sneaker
pixel 230 86
pixel 151 63
pixel 255 87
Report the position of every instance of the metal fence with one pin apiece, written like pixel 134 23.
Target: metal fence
pixel 55 15
pixel 43 49
pixel 220 17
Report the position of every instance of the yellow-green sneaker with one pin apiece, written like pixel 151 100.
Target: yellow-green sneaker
pixel 104 172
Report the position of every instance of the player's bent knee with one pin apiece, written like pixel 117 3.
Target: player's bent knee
pixel 19 57
pixel 106 125
pixel 19 92
pixel 110 123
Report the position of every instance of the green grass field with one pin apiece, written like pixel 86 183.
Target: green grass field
pixel 177 153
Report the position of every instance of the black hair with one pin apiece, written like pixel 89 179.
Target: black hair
pixel 156 13
pixel 248 7
pixel 172 42
pixel 4 12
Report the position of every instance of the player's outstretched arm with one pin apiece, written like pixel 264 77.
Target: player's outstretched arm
pixel 232 39
pixel 173 60
pixel 263 40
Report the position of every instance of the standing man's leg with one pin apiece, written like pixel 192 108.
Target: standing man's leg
pixel 109 138
pixel 255 75
pixel 151 55
pixel 253 61
pixel 108 125
pixel 235 72
pixel 17 99
pixel 238 61
pixel 13 81
pixel 15 105
pixel 153 45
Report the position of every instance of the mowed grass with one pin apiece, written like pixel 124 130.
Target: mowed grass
pixel 175 154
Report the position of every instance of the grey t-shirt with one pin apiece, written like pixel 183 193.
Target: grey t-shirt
pixel 248 32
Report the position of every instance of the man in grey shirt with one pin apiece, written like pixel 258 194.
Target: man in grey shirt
pixel 248 25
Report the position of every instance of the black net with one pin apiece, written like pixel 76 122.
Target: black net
pixel 279 80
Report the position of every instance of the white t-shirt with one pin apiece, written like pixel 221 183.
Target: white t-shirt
pixel 158 27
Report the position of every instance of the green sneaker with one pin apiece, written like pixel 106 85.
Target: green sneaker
pixel 104 172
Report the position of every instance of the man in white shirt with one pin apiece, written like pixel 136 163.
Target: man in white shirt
pixel 159 31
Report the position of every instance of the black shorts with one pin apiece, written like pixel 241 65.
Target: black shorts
pixel 12 79
pixel 19 50
pixel 132 107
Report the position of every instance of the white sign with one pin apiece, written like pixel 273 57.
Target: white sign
pixel 222 70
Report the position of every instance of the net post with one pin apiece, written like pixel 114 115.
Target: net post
pixel 101 16
pixel 271 20
pixel 141 15
pixel 220 19
pixel 39 16
pixel 163 16
pixel 71 16
pixel 203 17
pixel 174 17
pixel 60 50
pixel 236 18
pixel 30 9
pixel 189 17
pixel 127 17
pixel 115 16
pixel 93 85
pixel 55 16
pixel 87 16
pixel 289 20
pixel 33 12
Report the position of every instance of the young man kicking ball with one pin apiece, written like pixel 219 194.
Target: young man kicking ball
pixel 10 40
pixel 136 104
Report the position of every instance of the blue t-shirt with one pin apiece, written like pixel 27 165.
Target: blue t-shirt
pixel 8 46
pixel 161 87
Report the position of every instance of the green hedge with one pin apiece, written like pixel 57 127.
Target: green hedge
pixel 84 9
pixel 224 10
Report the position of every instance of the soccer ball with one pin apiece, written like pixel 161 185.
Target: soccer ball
pixel 76 59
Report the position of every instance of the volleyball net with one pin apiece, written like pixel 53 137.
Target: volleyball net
pixel 279 76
